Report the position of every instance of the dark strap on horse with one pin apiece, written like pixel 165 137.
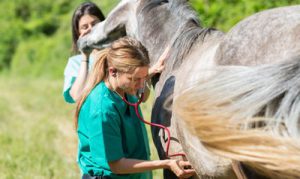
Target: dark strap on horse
pixel 243 171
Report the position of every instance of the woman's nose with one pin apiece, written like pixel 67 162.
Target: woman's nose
pixel 89 28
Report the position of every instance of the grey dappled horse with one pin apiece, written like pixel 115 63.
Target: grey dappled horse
pixel 227 88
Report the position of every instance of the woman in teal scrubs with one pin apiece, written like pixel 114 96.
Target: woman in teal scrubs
pixel 112 140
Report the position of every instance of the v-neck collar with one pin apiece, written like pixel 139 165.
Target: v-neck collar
pixel 121 105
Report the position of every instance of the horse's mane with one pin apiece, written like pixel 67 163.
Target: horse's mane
pixel 185 41
pixel 180 8
pixel 189 30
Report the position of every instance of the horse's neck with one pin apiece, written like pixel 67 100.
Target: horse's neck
pixel 203 47
pixel 193 42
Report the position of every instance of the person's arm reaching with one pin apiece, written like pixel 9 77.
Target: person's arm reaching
pixel 77 87
pixel 126 166
pixel 158 67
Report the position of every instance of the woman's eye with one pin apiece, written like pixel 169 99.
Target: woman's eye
pixel 84 27
pixel 95 22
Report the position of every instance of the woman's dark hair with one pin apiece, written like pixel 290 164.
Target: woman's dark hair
pixel 84 8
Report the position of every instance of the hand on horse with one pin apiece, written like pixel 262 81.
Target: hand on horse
pixel 182 169
pixel 159 66
pixel 86 51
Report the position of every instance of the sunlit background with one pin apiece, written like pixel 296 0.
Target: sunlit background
pixel 37 136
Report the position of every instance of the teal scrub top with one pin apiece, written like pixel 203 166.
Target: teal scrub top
pixel 71 73
pixel 108 130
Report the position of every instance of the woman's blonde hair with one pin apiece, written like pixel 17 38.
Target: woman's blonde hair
pixel 125 54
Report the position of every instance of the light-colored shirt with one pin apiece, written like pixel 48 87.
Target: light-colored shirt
pixel 71 73
pixel 108 130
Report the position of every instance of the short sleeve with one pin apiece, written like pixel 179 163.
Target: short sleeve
pixel 107 140
pixel 67 87
pixel 70 74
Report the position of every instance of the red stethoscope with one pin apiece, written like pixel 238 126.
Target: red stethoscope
pixel 136 108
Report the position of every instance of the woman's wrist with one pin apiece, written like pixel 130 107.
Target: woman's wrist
pixel 151 72
pixel 85 57
pixel 166 163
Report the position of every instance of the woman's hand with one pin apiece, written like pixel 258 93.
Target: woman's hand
pixel 182 169
pixel 85 54
pixel 159 66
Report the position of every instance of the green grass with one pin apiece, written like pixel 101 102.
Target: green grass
pixel 37 136
pixel 146 108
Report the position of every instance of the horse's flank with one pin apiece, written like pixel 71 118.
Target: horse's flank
pixel 227 99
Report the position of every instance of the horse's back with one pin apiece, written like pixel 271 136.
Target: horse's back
pixel 266 37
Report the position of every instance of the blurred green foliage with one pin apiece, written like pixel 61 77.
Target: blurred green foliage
pixel 36 34
pixel 224 14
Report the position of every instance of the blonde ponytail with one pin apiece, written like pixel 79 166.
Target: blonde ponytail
pixel 125 54
pixel 97 74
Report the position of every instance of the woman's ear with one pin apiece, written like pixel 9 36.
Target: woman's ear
pixel 112 71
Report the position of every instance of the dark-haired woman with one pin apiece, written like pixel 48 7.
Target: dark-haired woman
pixel 84 18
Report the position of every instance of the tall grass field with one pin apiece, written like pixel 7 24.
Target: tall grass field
pixel 37 136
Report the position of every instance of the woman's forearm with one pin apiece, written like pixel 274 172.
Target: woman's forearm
pixel 80 81
pixel 126 166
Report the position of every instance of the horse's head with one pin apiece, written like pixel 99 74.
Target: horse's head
pixel 155 23
pixel 118 22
